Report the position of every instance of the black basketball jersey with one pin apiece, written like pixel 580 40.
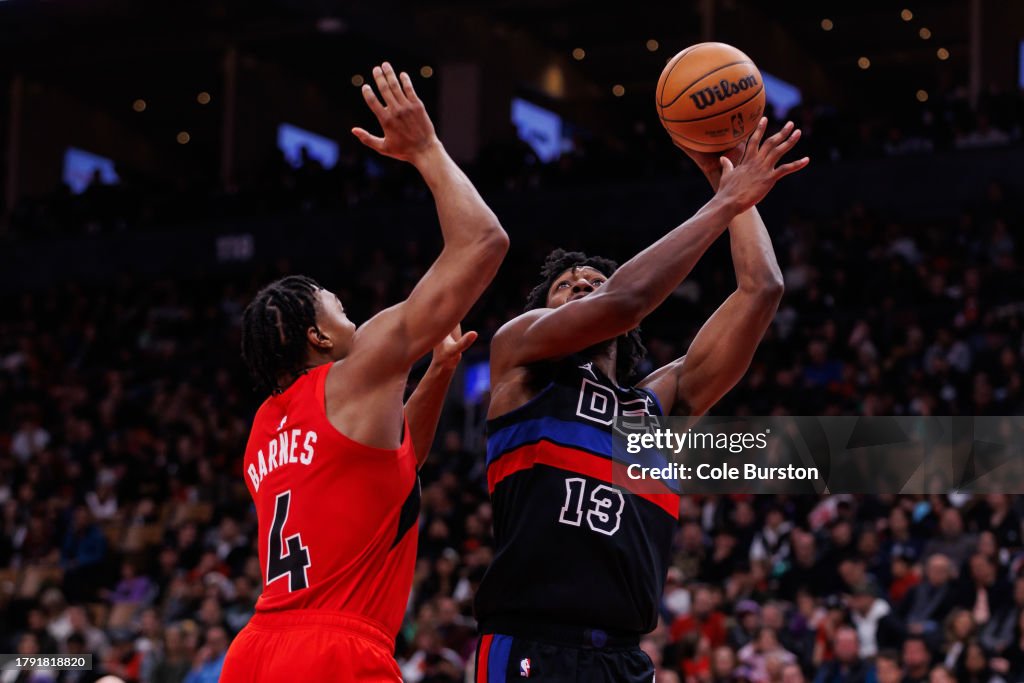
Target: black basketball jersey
pixel 575 545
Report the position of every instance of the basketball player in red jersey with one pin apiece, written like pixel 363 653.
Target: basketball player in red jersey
pixel 580 567
pixel 332 457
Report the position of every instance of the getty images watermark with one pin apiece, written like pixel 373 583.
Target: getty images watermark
pixel 809 455
pixel 666 440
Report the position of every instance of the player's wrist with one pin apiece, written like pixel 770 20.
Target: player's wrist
pixel 726 205
pixel 429 155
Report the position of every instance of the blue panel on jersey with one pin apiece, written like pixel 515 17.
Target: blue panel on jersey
pixel 594 440
pixel 497 658
pixel 562 432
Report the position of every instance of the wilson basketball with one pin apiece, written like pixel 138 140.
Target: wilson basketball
pixel 710 97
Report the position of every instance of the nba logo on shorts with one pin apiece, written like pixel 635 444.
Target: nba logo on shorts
pixel 524 667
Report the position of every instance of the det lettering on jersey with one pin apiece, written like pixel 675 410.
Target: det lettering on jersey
pixel 289 447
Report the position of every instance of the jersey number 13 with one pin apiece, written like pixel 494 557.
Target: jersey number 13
pixel 602 508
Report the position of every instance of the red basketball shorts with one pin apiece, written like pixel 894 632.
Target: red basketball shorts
pixel 311 645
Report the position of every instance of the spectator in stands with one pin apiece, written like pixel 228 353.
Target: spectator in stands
pixel 174 661
pixel 974 666
pixel 764 655
pixel 998 633
pixel 432 661
pixel 83 554
pixel 209 659
pixel 867 612
pixel 927 604
pixel 917 660
pixel 847 665
pixel 792 673
pixel 887 667
pixel 748 621
pixel 723 664
pixel 952 541
pixel 941 674
pixel 983 591
pixel 703 620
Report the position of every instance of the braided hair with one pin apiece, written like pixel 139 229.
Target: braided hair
pixel 274 329
pixel 629 350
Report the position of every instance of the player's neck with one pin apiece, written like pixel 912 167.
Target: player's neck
pixel 286 379
pixel 604 357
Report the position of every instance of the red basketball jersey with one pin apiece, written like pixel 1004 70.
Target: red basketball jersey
pixel 336 518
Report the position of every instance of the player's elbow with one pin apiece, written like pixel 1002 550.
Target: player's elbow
pixel 767 292
pixel 493 243
pixel 773 289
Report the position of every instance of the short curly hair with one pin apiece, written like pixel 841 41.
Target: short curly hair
pixel 630 350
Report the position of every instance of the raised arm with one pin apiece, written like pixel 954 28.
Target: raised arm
pixel 723 348
pixel 423 409
pixel 474 242
pixel 721 352
pixel 641 284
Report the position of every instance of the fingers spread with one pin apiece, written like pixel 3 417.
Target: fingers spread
pixel 372 141
pixel 783 133
pixel 410 92
pixel 755 137
pixel 791 167
pixel 785 146
pixel 393 85
pixel 383 86
pixel 371 100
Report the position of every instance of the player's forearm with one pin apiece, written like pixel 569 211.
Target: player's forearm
pixel 466 220
pixel 753 257
pixel 648 278
pixel 423 409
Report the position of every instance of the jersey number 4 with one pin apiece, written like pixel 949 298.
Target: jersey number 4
pixel 296 562
pixel 603 507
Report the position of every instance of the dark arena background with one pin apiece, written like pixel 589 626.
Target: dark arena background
pixel 162 161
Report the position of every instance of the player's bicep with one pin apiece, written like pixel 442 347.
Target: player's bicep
pixel 379 350
pixel 551 333
pixel 444 295
pixel 722 351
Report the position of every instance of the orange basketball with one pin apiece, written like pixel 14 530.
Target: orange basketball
pixel 710 97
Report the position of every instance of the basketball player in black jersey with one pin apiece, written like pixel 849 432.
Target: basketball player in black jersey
pixel 581 562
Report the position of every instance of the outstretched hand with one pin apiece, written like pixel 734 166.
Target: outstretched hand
pixel 408 131
pixel 747 182
pixel 710 162
pixel 448 353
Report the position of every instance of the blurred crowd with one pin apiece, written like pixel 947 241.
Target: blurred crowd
pixel 831 134
pixel 126 530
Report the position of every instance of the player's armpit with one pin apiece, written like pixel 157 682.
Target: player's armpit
pixel 719 355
